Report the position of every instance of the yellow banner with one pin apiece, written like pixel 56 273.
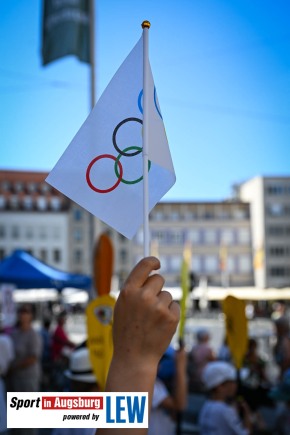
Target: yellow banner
pixel 236 328
pixel 100 341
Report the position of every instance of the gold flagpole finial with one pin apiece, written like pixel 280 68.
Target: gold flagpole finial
pixel 146 24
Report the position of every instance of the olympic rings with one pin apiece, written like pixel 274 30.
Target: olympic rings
pixel 117 165
pixel 155 102
pixel 117 162
pixel 115 133
pixel 103 156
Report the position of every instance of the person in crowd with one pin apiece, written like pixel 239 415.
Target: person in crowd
pixel 281 394
pixel 224 353
pixel 282 346
pixel 25 370
pixel 200 354
pixel 60 340
pixel 166 405
pixel 145 320
pixel 82 379
pixel 255 364
pixel 61 349
pixel 46 355
pixel 219 415
pixel 6 357
pixel 254 382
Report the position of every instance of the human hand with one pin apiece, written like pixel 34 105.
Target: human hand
pixel 145 318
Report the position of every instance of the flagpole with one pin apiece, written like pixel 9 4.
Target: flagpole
pixel 92 104
pixel 92 53
pixel 146 246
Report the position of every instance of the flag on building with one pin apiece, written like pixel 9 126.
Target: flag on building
pixel 102 168
pixel 223 257
pixel 259 257
pixel 65 30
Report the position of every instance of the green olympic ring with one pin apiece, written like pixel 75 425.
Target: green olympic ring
pixel 116 166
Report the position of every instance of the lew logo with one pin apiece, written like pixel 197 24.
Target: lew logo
pixel 126 409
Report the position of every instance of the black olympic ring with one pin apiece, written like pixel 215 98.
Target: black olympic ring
pixel 115 133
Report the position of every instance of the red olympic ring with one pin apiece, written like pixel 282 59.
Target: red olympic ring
pixel 103 156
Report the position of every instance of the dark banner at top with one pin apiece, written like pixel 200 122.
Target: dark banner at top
pixel 65 30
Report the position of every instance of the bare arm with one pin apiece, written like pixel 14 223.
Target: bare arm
pixel 145 319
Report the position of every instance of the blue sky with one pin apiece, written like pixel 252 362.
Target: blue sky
pixel 221 69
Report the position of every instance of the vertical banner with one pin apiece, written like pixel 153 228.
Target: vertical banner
pixel 99 315
pixel 184 275
pixel 236 328
pixel 65 30
pixel 99 311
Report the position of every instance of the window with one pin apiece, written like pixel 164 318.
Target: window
pixel 176 237
pixel 44 187
pixel 42 233
pixel 160 236
pixel 275 209
pixel 78 256
pixel 194 236
pixel 278 271
pixel 55 203
pixel 18 186
pixel 2 201
pixel 174 216
pixel 227 237
pixel 239 213
pixel 189 215
pixel 279 251
pixel 43 255
pixel 29 232
pixel 175 262
pixel 56 254
pixel 230 264
pixel 196 264
pixel 14 202
pixel 41 203
pixel 210 237
pixel 123 255
pixel 244 235
pixel 78 234
pixel 31 187
pixel 158 216
pixel 276 231
pixel 15 232
pixel 27 202
pixel 2 231
pixel 211 263
pixel 56 233
pixel 245 264
pixel 78 214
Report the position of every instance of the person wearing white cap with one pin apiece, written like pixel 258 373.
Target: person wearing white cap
pixel 218 415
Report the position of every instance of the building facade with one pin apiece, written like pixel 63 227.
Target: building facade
pixel 269 199
pixel 239 242
pixel 39 219
pixel 219 235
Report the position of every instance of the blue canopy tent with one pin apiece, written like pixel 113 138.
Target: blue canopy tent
pixel 25 271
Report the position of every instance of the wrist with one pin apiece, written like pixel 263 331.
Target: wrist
pixel 131 374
